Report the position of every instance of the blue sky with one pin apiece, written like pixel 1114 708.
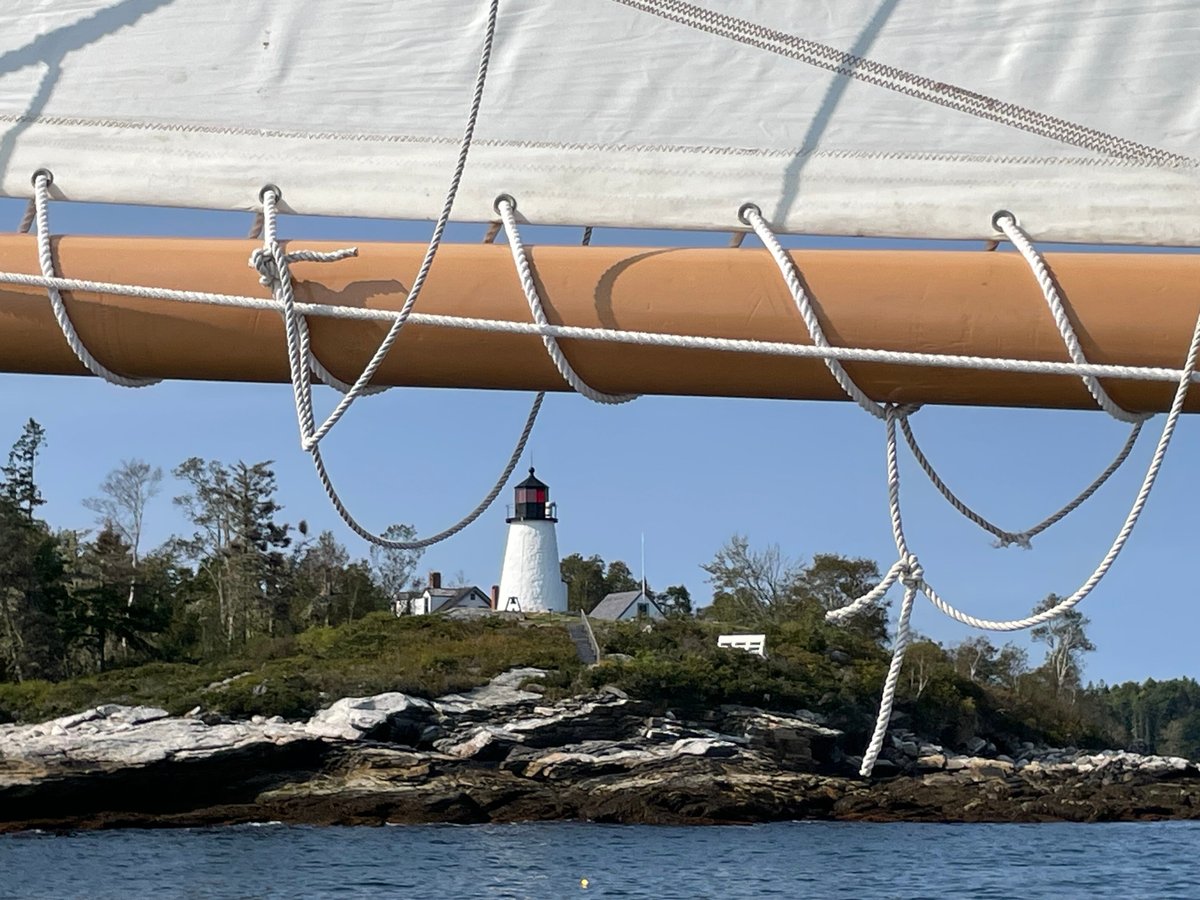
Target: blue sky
pixel 687 473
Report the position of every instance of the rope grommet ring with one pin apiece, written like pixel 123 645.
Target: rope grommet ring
pixel 1003 214
pixel 43 173
pixel 744 212
pixel 504 198
pixel 272 188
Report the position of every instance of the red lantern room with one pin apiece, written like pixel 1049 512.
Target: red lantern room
pixel 531 500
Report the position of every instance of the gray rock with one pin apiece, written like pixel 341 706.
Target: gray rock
pixel 391 716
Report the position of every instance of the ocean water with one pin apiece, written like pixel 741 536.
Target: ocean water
pixel 794 860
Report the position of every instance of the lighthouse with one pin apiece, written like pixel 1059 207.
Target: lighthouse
pixel 530 579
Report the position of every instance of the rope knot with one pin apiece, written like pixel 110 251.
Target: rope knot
pixel 912 575
pixel 1024 540
pixel 263 262
pixel 272 264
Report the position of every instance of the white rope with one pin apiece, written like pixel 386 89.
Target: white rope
pixel 322 373
pixel 506 207
pixel 41 191
pixel 913 575
pixel 435 241
pixel 273 265
pixel 470 517
pixel 870 597
pixel 752 216
pixel 1007 223
pixel 1020 538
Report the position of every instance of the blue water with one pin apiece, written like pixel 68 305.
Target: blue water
pixel 548 861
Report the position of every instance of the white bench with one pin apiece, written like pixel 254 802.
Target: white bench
pixel 751 643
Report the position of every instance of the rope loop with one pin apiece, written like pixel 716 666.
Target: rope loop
pixel 42 179
pixel 908 569
pixel 1006 222
pixel 751 215
pixel 506 206
pixel 273 266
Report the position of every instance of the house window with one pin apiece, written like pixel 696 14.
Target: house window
pixel 643 610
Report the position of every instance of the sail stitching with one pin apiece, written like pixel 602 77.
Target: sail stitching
pixel 598 146
pixel 904 82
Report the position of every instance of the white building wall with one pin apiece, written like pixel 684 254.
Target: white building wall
pixel 530 571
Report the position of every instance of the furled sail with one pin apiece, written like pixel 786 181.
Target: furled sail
pixel 872 117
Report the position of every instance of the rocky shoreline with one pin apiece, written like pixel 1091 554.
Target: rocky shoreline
pixel 502 753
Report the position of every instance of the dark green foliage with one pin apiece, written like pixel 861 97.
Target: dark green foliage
pixel 590 580
pixel 19 486
pixel 421 655
pixel 240 619
pixel 676 600
pixel 1154 716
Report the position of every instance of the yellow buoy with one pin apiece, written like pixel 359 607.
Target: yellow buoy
pixel 583 883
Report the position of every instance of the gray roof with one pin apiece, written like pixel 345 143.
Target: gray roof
pixel 456 596
pixel 614 605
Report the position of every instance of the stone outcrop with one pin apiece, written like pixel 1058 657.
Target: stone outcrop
pixel 503 753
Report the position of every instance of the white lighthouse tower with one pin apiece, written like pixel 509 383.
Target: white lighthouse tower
pixel 530 579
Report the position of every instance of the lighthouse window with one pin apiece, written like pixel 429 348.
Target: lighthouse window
pixel 540 495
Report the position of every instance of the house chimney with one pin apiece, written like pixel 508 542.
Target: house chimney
pixel 495 596
pixel 435 580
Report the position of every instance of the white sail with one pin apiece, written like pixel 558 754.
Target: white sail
pixel 1081 116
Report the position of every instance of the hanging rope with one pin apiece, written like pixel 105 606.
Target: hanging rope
pixel 435 239
pixel 454 529
pixel 751 215
pixel 274 268
pixel 913 576
pixel 1020 538
pixel 41 198
pixel 506 206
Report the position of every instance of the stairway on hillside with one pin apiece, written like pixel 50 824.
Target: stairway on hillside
pixel 583 646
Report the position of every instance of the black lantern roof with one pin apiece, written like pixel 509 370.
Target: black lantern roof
pixel 532 481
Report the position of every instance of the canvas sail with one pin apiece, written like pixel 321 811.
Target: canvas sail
pixel 1082 116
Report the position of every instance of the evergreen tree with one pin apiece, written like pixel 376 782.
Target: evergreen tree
pixel 19 486
pixel 32 598
pixel 238 546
